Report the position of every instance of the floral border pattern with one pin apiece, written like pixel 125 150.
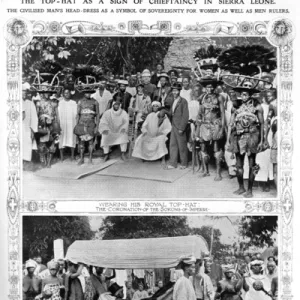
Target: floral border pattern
pixel 15 205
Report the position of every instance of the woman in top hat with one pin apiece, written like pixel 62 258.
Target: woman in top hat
pixel 246 136
pixel 211 124
pixel 87 120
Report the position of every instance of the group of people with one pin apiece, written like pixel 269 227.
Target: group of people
pixel 64 280
pixel 249 278
pixel 159 115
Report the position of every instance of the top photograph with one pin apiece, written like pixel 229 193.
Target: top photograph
pixel 149 117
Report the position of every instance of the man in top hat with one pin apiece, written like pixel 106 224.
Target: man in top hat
pixel 124 96
pixel 164 91
pixel 157 73
pixel 178 112
pixel 29 123
pixel 149 88
pixel 211 124
pixel 87 120
pixel 49 127
pixel 114 129
pixel 246 136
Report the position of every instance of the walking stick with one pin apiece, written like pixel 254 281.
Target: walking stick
pixel 132 135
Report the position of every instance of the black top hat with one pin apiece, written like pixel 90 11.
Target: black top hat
pixel 177 86
pixel 210 80
pixel 114 288
pixel 175 72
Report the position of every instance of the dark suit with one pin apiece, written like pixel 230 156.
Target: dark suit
pixel 178 142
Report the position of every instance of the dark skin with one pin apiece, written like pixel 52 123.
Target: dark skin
pixel 252 157
pixel 67 97
pixel 229 284
pixel 87 97
pixel 216 144
pixel 31 282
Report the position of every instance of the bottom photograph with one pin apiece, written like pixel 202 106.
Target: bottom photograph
pixel 150 257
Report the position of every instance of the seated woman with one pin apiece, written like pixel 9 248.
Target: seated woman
pixel 141 293
pixel 151 144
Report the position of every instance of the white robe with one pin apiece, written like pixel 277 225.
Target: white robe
pixel 102 100
pixel 184 290
pixel 252 294
pixel 151 144
pixel 30 123
pixel 114 122
pixel 67 111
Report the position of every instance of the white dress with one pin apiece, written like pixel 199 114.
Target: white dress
pixel 29 124
pixel 67 111
pixel 102 100
pixel 183 289
pixel 114 122
pixel 151 144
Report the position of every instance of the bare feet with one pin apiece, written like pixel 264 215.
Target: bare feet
pixel 204 174
pixel 123 157
pixel 90 161
pixel 248 194
pixel 218 177
pixel 169 167
pixel 81 161
pixel 182 167
pixel 240 191
pixel 106 157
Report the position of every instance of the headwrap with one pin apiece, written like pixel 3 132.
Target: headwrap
pixel 125 82
pixel 30 263
pixel 188 260
pixel 228 268
pixel 256 262
pixel 156 103
pixel 53 264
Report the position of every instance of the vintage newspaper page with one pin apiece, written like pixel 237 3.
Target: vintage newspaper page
pixel 149 149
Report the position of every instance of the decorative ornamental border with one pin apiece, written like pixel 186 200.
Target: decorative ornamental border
pixel 281 39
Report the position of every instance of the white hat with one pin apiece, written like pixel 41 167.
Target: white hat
pixel 188 260
pixel 156 103
pixel 146 72
pixel 30 264
pixel 125 82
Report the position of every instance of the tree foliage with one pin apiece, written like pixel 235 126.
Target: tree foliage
pixel 117 54
pixel 128 227
pixel 39 232
pixel 259 230
pixel 218 248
